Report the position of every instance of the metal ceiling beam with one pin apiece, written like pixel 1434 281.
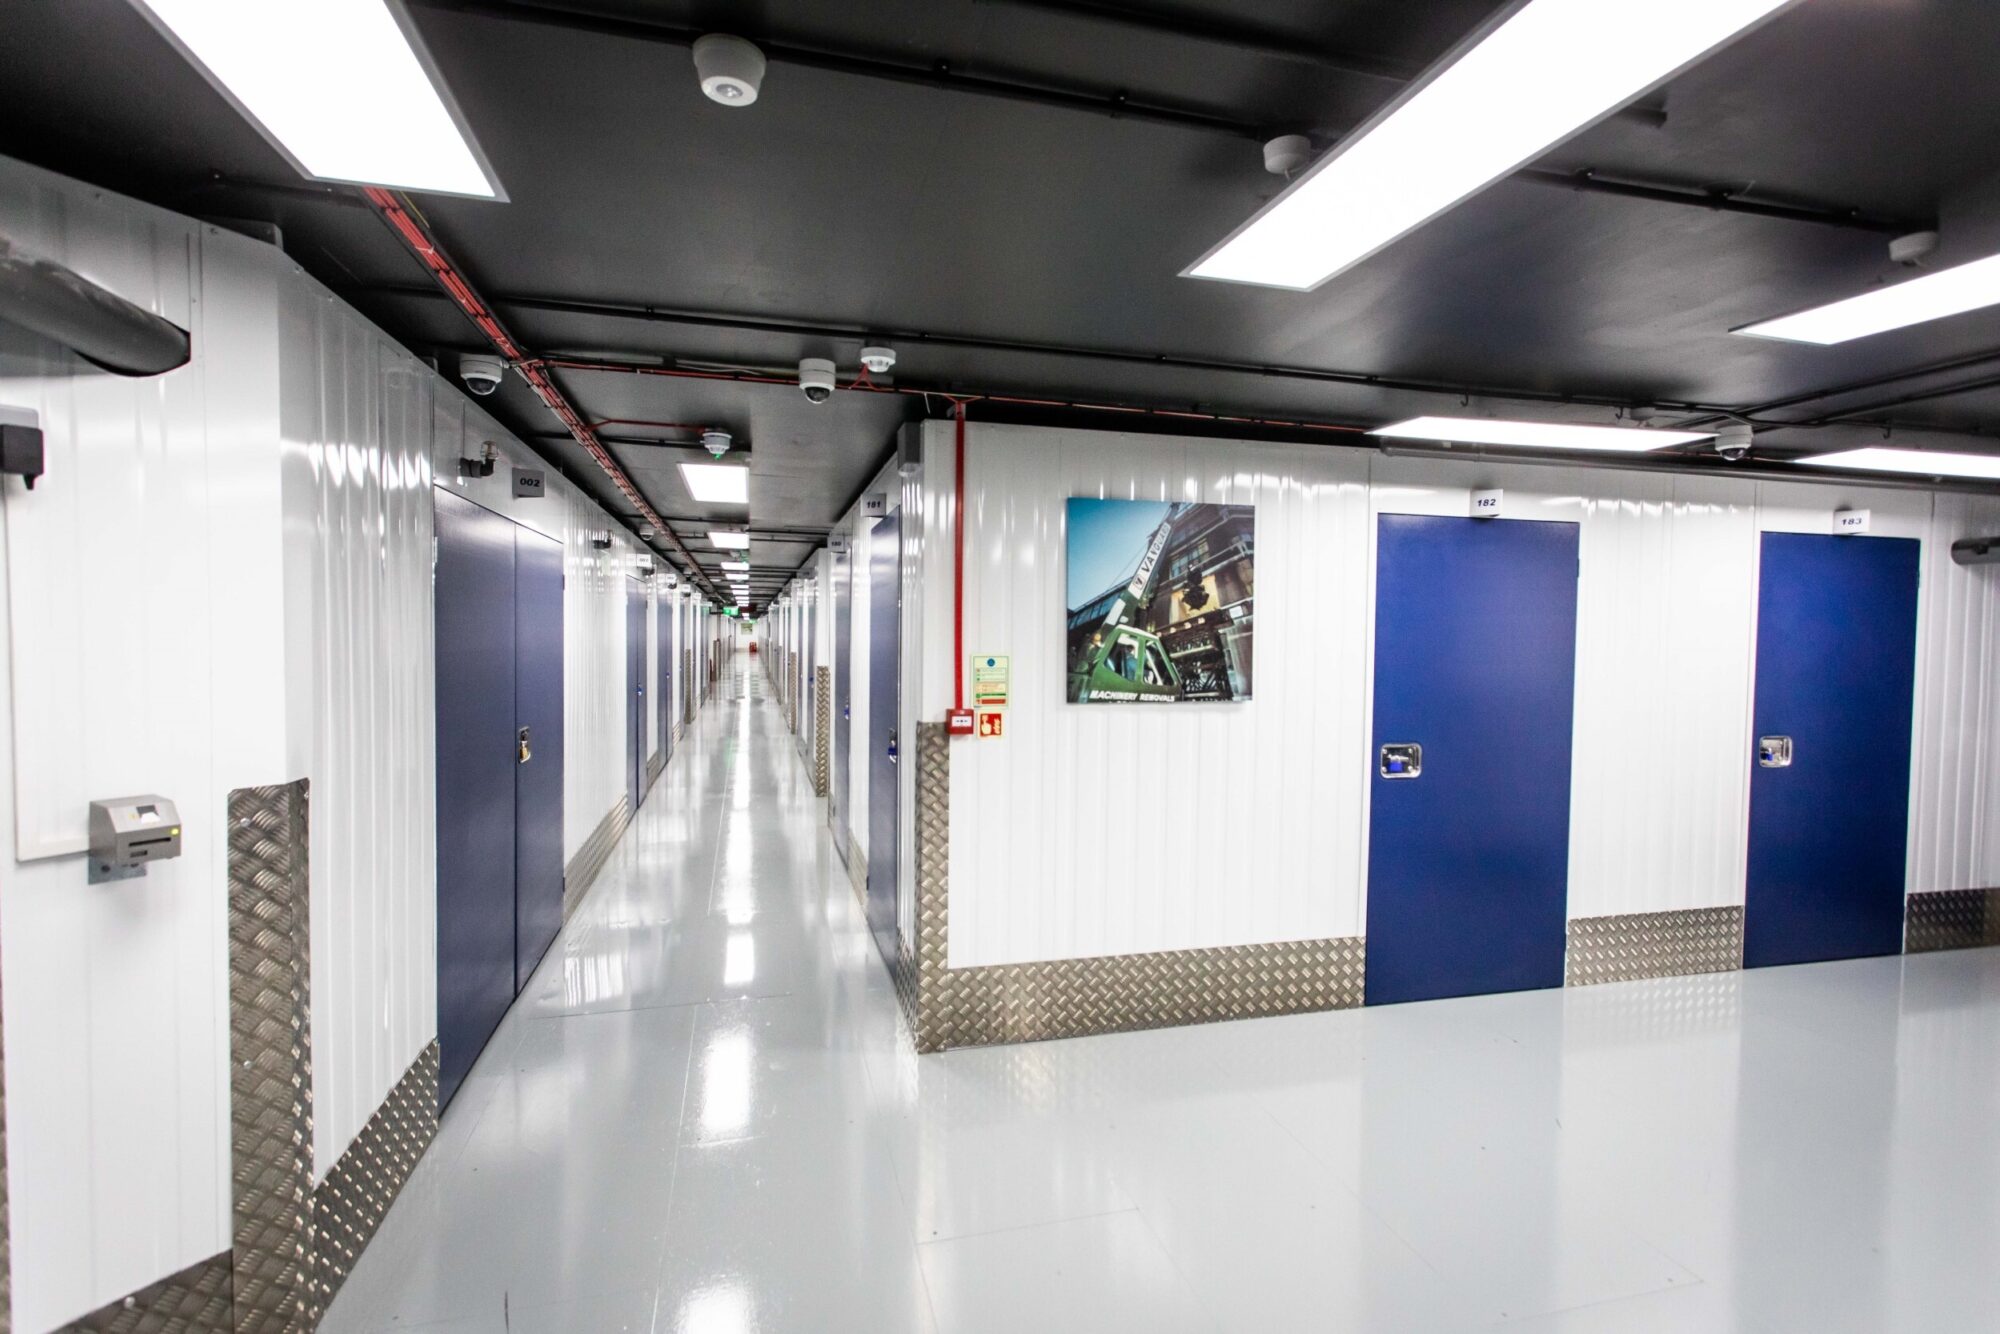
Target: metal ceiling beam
pixel 1120 106
pixel 935 74
pixel 1267 44
pixel 1904 400
pixel 1718 199
pixel 1758 410
pixel 414 232
pixel 970 342
pixel 1224 36
pixel 644 442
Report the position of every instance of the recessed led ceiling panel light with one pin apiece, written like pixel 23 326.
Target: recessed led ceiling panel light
pixel 729 541
pixel 1934 296
pixel 1538 435
pixel 717 483
pixel 1922 462
pixel 1520 86
pixel 736 565
pixel 342 88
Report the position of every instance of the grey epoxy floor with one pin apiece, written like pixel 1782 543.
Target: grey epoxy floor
pixel 700 1120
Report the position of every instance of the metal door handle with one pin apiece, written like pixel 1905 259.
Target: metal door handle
pixel 892 747
pixel 1774 752
pixel 527 751
pixel 1400 759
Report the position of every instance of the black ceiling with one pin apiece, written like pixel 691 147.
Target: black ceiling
pixel 1008 236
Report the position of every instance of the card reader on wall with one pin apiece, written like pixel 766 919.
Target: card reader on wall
pixel 129 833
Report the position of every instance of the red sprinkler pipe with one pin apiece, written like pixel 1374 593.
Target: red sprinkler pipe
pixel 958 566
pixel 535 371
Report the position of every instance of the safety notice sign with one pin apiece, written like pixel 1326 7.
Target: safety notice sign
pixel 990 675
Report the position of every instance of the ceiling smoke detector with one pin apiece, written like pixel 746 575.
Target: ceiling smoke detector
pixel 716 442
pixel 1287 153
pixel 878 360
pixel 731 69
pixel 1912 249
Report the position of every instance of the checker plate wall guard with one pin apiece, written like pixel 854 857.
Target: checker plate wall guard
pixel 822 722
pixel 349 1205
pixel 270 1047
pixel 1952 919
pixel 967 1007
pixel 1631 946
pixel 194 1301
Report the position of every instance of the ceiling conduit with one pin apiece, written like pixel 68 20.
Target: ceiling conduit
pixel 534 370
pixel 103 328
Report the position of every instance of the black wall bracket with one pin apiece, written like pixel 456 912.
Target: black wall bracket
pixel 21 453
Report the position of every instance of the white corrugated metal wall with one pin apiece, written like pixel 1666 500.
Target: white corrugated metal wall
pixel 356 419
pixel 276 624
pixel 143 578
pixel 1259 833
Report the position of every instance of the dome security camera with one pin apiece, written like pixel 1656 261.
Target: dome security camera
pixel 816 379
pixel 482 375
pixel 1732 442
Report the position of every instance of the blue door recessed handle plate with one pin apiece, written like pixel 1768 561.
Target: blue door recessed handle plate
pixel 1401 759
pixel 1774 752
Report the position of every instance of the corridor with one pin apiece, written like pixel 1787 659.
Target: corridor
pixel 699 1120
pixel 691 1107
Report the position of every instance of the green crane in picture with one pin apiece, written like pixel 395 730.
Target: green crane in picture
pixel 1119 660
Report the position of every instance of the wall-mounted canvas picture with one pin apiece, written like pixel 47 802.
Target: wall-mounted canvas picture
pixel 1159 599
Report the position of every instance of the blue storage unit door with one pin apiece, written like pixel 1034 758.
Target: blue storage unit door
pixel 1468 843
pixel 1830 782
pixel 843 698
pixel 538 757
pixel 885 633
pixel 665 705
pixel 635 692
pixel 475 781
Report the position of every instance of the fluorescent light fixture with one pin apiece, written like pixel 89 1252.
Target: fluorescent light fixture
pixel 1538 435
pixel 729 541
pixel 717 483
pixel 742 565
pixel 1517 88
pixel 1950 291
pixel 1922 462
pixel 342 88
